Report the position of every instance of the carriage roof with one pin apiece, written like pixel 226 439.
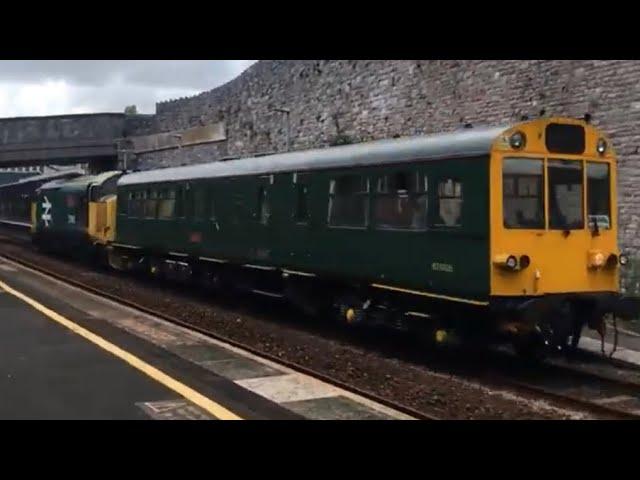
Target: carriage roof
pixel 465 143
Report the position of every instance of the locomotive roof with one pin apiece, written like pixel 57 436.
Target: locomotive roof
pixel 80 183
pixel 46 176
pixel 465 143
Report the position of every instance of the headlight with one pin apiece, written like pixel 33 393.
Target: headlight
pixel 623 259
pixel 525 261
pixel 602 146
pixel 506 261
pixel 517 140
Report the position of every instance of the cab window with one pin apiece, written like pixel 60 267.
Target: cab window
pixel 523 193
pixel 565 195
pixel 598 195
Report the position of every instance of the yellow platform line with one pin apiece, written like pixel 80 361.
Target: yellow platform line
pixel 198 399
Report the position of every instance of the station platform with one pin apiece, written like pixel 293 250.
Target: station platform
pixel 68 354
pixel 48 372
pixel 628 348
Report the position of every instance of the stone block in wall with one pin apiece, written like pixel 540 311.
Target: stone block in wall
pixel 179 138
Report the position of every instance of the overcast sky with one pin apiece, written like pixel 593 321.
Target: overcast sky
pixel 55 87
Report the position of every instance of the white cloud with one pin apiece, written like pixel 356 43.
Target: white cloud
pixel 54 87
pixel 34 98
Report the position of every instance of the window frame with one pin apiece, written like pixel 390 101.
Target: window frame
pixel 366 194
pixel 301 180
pixel 581 161
pixel 588 162
pixel 150 195
pixel 584 162
pixel 420 190
pixel 166 193
pixel 199 214
pixel 543 192
pixel 262 213
pixel 437 219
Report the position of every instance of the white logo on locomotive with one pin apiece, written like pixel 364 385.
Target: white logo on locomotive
pixel 46 213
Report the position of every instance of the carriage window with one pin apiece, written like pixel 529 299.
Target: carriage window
pixel 302 210
pixel 134 204
pixel 199 209
pixel 140 196
pixel 301 214
pixel 349 201
pixel 180 202
pixel 264 209
pixel 167 204
pixel 598 195
pixel 150 204
pixel 124 207
pixel 565 194
pixel 401 202
pixel 523 193
pixel 449 203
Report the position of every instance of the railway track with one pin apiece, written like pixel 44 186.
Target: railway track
pixel 606 389
pixel 603 389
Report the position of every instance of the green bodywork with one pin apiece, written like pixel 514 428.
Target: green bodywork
pixel 62 207
pixel 450 261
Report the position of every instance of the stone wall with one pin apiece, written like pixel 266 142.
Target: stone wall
pixel 362 100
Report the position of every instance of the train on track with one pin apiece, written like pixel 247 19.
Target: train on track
pixel 497 234
pixel 17 197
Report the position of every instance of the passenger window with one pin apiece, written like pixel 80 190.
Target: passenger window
pixel 180 202
pixel 401 202
pixel 167 204
pixel 598 195
pixel 522 193
pixel 349 201
pixel 264 209
pixel 199 204
pixel 150 204
pixel 301 214
pixel 135 210
pixel 449 203
pixel 565 194
pixel 133 207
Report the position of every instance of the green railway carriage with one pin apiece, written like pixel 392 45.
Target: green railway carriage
pixel 384 232
pixel 510 229
pixel 403 215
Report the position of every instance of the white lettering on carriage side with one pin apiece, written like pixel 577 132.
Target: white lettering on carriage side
pixel 442 267
pixel 71 219
pixel 46 213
